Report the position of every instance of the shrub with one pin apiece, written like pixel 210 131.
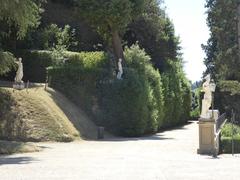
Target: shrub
pixel 226 144
pixel 226 138
pixel 124 105
pixel 137 59
pixel 34 66
pixel 129 107
pixel 177 96
pixel 227 130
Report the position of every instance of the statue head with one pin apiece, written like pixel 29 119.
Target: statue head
pixel 120 60
pixel 207 78
pixel 20 59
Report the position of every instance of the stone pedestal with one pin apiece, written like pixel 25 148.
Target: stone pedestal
pixel 18 86
pixel 208 144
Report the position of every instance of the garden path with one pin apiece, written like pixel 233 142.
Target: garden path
pixel 169 155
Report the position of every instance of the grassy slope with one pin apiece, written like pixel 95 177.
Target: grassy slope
pixel 41 115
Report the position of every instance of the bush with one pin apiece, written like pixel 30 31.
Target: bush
pixel 34 66
pixel 140 61
pixel 226 144
pixel 78 77
pixel 177 96
pixel 195 110
pixel 124 105
pixel 226 138
pixel 129 107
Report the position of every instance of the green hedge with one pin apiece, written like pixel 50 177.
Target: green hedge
pixel 129 107
pixel 136 105
pixel 227 98
pixel 34 66
pixel 177 96
pixel 226 144
pixel 226 138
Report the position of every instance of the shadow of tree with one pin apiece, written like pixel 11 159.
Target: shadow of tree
pixel 6 160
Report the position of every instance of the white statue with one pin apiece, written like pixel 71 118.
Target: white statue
pixel 208 88
pixel 120 69
pixel 19 73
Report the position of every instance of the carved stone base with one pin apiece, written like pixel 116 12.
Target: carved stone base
pixel 18 86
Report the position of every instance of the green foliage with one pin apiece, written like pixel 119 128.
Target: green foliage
pixel 222 49
pixel 6 62
pixel 53 36
pixel 226 138
pixel 226 144
pixel 195 110
pixel 21 14
pixel 140 61
pixel 132 106
pixel 227 97
pixel 227 130
pixel 233 87
pixel 155 33
pixel 110 15
pixel 35 64
pixel 18 16
pixel 177 95
pixel 125 105
pixel 78 77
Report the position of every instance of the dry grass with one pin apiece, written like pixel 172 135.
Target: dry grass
pixel 49 116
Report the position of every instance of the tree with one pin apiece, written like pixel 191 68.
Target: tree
pixel 17 15
pixel 110 18
pixel 222 49
pixel 155 33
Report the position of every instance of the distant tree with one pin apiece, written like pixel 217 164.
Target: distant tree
pixel 110 18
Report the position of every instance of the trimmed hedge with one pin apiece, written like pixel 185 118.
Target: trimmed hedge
pixel 132 106
pixel 226 144
pixel 34 66
pixel 177 96
pixel 226 138
pixel 129 107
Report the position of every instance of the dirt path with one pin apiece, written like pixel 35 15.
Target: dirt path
pixel 170 155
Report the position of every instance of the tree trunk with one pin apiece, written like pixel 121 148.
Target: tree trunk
pixel 117 46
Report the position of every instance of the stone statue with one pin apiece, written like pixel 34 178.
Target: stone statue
pixel 208 88
pixel 19 73
pixel 120 69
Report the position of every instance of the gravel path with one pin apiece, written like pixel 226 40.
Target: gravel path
pixel 170 155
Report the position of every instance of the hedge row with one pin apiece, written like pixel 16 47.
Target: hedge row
pixel 34 66
pixel 143 102
pixel 226 144
pixel 138 104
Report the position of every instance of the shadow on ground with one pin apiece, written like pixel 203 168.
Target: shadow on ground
pixel 8 160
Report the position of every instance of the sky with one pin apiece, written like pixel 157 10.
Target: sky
pixel 189 19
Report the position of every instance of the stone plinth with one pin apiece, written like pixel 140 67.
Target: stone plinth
pixel 208 144
pixel 18 86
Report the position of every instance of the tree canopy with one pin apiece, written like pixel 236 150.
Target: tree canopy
pixel 222 59
pixel 110 18
pixel 17 15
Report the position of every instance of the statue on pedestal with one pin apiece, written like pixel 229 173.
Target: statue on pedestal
pixel 19 73
pixel 208 88
pixel 120 69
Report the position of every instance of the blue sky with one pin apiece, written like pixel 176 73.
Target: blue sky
pixel 189 19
